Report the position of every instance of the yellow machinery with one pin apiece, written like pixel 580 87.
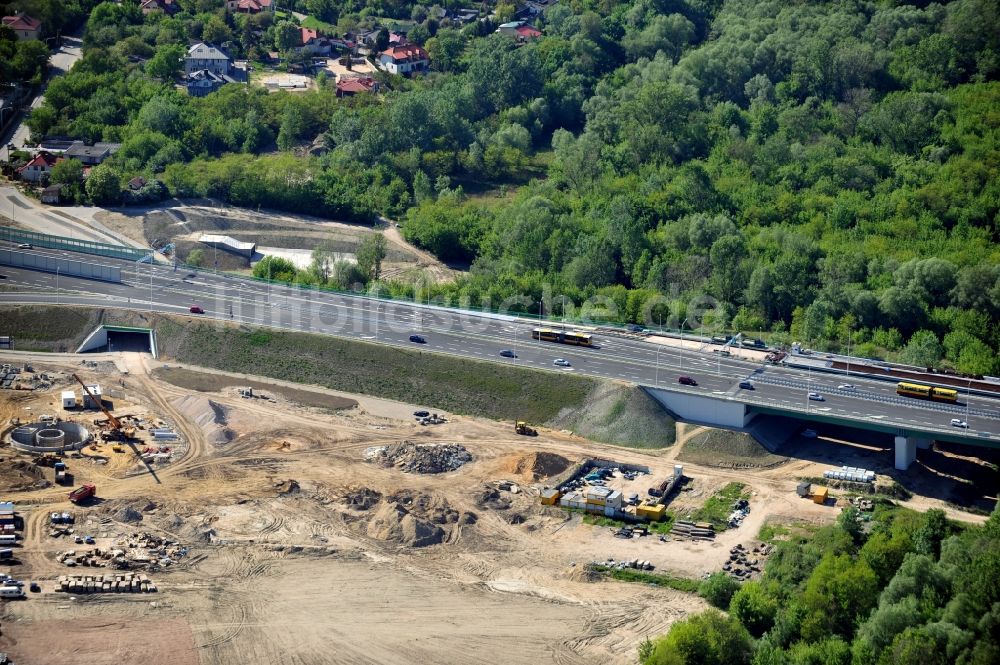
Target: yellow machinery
pixel 523 429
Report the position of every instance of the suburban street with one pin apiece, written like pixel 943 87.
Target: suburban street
pixel 159 288
pixel 60 62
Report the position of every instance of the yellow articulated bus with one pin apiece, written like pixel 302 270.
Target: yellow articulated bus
pixel 562 336
pixel 926 392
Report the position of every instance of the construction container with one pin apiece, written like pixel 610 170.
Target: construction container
pixel 95 401
pixel 820 495
pixel 653 512
pixel 803 489
pixel 550 497
pixel 68 399
pixel 614 499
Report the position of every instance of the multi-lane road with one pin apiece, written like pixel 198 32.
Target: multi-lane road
pixel 470 335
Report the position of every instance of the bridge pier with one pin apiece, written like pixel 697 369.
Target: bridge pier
pixel 906 451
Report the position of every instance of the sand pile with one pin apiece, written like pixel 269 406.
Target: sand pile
pixel 490 497
pixel 22 475
pixel 410 518
pixel 420 458
pixel 286 487
pixel 536 466
pixel 210 416
pixel 391 522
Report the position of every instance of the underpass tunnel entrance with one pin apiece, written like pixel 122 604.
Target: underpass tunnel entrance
pixel 120 338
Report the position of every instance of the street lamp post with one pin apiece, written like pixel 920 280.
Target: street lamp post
pixel 968 395
pixel 656 381
pixel 680 347
pixel 57 285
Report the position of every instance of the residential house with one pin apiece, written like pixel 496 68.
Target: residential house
pixel 250 6
pixel 348 87
pixel 312 43
pixel 24 26
pixel 168 7
pixel 204 81
pixel 519 30
pixel 51 194
pixel 39 167
pixel 205 56
pixel 396 38
pixel 136 183
pixel 464 16
pixel 91 155
pixel 404 59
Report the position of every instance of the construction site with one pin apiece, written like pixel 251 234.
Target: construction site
pixel 185 518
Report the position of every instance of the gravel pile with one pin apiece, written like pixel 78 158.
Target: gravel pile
pixel 414 458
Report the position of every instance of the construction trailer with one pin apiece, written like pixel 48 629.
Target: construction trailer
pixel 804 489
pixel 92 397
pixel 550 497
pixel 820 495
pixel 654 512
pixel 68 399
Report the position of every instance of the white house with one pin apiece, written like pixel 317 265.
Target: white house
pixel 404 59
pixel 205 56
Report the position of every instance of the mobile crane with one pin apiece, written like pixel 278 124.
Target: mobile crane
pixel 116 430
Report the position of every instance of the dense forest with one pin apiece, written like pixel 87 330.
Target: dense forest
pixel 903 589
pixel 823 171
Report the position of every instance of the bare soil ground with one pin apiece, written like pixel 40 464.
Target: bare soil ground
pixel 183 224
pixel 300 551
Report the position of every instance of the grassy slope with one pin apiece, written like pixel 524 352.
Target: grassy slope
pixel 723 448
pixel 452 384
pixel 599 410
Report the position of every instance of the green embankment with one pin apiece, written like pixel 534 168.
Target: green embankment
pixel 599 410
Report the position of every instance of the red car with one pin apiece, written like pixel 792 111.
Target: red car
pixel 196 309
pixel 687 381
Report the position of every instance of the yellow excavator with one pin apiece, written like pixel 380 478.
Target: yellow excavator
pixel 116 430
pixel 523 429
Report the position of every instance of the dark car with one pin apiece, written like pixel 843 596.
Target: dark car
pixel 746 385
pixel 507 353
pixel 35 588
pixel 421 414
pixel 686 381
pixel 417 339
pixel 196 309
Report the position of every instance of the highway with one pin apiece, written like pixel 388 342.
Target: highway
pixel 159 288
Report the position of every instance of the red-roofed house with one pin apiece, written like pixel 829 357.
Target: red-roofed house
pixel 404 59
pixel 39 166
pixel 348 87
pixel 306 35
pixel 23 26
pixel 526 32
pixel 250 6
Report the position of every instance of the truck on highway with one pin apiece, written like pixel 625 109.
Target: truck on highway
pixel 83 493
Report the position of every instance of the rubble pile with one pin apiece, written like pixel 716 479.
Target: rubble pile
pixel 744 564
pixel 362 499
pixel 147 549
pixel 420 458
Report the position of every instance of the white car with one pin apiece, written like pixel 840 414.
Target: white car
pixel 816 397
pixel 561 362
pixel 846 386
pixel 958 422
